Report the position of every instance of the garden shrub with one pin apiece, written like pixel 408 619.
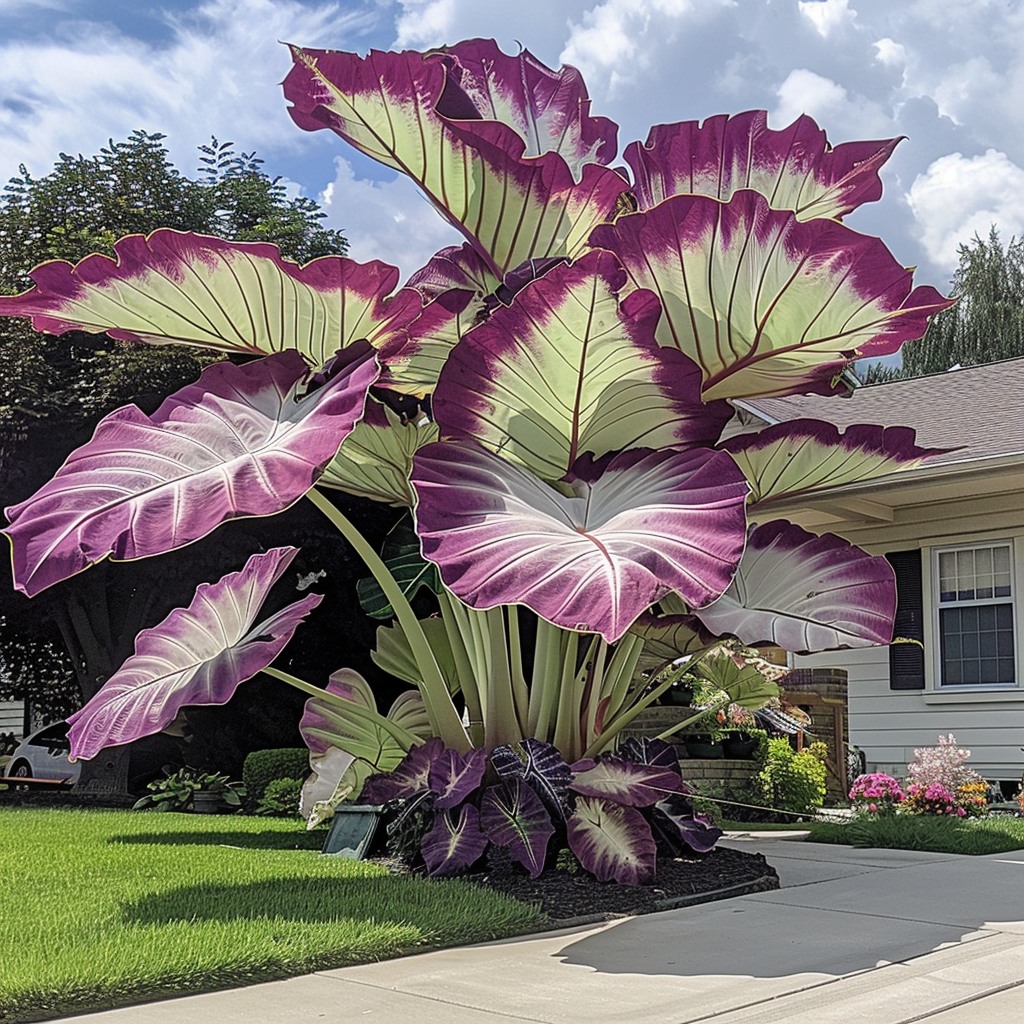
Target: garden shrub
pixel 791 781
pixel 876 793
pixel 280 799
pixel 262 767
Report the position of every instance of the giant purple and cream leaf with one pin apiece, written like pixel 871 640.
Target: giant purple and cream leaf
pixel 766 304
pixel 794 169
pixel 241 441
pixel 237 297
pixel 511 207
pixel 806 593
pixel 549 110
pixel 642 524
pixel 567 369
pixel 799 456
pixel 197 655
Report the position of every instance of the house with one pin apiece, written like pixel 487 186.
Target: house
pixel 953 529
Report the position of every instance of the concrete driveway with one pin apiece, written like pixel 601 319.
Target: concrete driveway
pixel 873 936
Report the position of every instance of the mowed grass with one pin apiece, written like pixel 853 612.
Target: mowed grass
pixel 104 908
pixel 929 833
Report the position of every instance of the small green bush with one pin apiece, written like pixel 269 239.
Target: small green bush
pixel 262 767
pixel 280 799
pixel 790 781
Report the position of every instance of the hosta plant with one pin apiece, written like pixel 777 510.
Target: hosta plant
pixel 564 377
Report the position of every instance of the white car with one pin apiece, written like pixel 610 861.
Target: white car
pixel 44 755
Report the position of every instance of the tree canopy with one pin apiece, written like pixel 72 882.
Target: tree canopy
pixel 54 389
pixel 987 322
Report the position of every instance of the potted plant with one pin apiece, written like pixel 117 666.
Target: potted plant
pixel 189 789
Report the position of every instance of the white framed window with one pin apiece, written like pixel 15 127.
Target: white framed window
pixel 974 592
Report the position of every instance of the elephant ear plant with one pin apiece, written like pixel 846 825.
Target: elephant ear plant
pixel 570 368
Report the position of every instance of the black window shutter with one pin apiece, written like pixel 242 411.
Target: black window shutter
pixel 906 661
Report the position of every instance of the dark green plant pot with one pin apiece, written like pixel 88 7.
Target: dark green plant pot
pixel 740 747
pixel 703 747
pixel 205 801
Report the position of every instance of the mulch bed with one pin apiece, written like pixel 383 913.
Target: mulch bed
pixel 567 897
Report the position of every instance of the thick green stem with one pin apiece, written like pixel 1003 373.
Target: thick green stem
pixel 544 680
pixel 441 710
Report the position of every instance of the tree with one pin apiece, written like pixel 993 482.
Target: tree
pixel 59 653
pixel 986 324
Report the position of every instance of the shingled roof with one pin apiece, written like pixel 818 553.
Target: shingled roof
pixel 978 410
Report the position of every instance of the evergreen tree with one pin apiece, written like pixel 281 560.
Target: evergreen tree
pixel 985 325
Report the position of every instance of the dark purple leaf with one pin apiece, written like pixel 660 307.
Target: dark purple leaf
pixel 455 842
pixel 673 821
pixel 514 817
pixel 453 778
pixel 409 779
pixel 652 751
pixel 612 842
pixel 541 767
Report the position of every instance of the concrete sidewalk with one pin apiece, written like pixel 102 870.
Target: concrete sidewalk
pixel 878 936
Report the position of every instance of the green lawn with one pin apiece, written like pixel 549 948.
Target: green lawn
pixel 102 908
pixel 977 836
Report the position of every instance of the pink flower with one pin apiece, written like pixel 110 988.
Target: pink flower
pixel 872 808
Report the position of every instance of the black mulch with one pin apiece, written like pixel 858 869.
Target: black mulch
pixel 564 896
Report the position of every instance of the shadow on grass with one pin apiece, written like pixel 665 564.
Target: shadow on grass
pixel 268 840
pixel 310 900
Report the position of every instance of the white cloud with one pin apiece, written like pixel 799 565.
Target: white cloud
pixel 830 104
pixel 425 23
pixel 389 220
pixel 827 16
pixel 958 197
pixel 219 73
pixel 616 41
pixel 890 53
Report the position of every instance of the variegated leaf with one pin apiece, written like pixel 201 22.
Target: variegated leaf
pixel 794 169
pixel 806 593
pixel 567 369
pixel 241 441
pixel 809 455
pixel 630 531
pixel 197 655
pixel 765 304
pixel 174 286
pixel 509 206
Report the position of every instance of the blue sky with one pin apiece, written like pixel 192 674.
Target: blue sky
pixel 74 73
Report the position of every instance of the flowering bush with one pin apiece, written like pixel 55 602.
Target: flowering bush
pixel 938 778
pixel 876 793
pixel 943 764
pixel 935 798
pixel 973 798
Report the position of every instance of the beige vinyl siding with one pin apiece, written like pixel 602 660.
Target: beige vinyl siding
pixel 12 716
pixel 889 724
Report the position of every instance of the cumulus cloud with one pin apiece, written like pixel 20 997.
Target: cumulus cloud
pixel 958 197
pixel 215 71
pixel 827 16
pixel 615 41
pixel 890 53
pixel 830 104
